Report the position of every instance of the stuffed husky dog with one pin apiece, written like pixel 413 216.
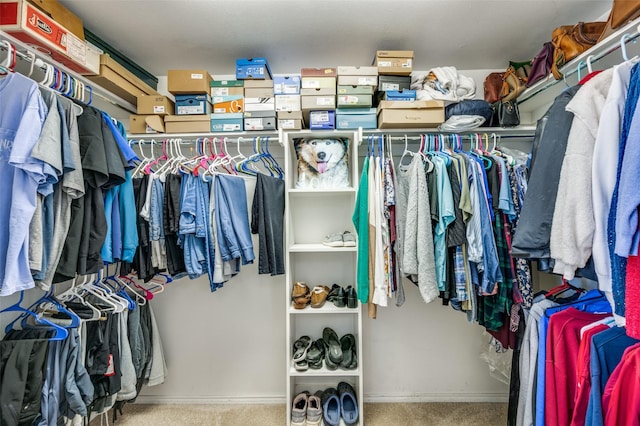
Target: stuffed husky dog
pixel 322 163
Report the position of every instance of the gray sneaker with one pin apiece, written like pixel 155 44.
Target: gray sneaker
pixel 314 411
pixel 333 240
pixel 348 239
pixel 299 410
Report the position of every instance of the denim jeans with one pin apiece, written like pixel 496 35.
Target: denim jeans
pixel 232 219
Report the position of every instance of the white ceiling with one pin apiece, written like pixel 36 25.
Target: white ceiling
pixel 210 34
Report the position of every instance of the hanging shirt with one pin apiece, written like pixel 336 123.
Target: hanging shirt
pixel 446 215
pixel 22 114
pixel 605 164
pixel 360 220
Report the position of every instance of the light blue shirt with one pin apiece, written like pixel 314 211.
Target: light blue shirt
pixel 22 114
pixel 446 215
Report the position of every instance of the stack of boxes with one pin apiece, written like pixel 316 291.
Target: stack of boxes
pixel 228 105
pixel 288 103
pixel 397 107
pixel 318 97
pixel 356 87
pixel 256 102
pixel 259 102
pixel 193 103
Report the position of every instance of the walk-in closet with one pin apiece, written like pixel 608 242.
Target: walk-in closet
pixel 319 213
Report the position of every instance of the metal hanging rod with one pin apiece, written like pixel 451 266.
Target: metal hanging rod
pixel 40 60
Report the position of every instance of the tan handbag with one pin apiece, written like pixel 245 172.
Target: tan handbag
pixel 570 41
pixel 513 85
pixel 622 11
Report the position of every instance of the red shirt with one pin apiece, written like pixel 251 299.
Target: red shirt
pixel 583 371
pixel 563 342
pixel 621 396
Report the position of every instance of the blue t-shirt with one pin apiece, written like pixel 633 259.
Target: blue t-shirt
pixel 22 114
pixel 607 348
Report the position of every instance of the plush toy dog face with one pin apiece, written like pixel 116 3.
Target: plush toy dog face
pixel 322 162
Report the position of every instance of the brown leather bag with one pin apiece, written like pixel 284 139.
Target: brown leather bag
pixel 622 11
pixel 493 85
pixel 513 84
pixel 570 41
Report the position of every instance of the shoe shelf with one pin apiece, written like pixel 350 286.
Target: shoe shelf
pixel 328 308
pixel 310 216
pixel 323 372
pixel 321 192
pixel 319 248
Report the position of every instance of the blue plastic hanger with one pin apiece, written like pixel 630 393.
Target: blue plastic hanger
pixel 60 332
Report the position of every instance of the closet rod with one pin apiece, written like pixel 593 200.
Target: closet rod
pixel 97 90
pixel 463 136
pixel 188 141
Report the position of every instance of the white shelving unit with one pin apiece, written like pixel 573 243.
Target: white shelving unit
pixel 310 215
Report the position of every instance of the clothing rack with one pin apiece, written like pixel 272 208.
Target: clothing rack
pixel 39 60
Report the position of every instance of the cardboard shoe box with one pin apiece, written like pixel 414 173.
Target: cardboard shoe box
pixel 318 83
pixel 393 82
pixel 318 102
pixel 227 88
pixel 318 72
pixel 187 123
pixel 258 92
pixel 288 103
pixel 188 82
pixel 355 101
pixel 145 124
pixel 228 104
pixel 158 105
pixel 290 120
pixel 120 81
pixel 402 114
pixel 252 68
pixel 259 120
pixel 193 104
pixel 259 104
pixel 232 122
pixel 322 120
pixel 394 62
pixel 355 90
pixel 327 91
pixel 349 119
pixel 400 95
pixel 31 25
pixel 286 85
pixel 357 76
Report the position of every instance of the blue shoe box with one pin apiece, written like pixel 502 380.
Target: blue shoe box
pixel 353 118
pixel 400 95
pixel 286 85
pixel 230 122
pixel 252 68
pixel 322 120
pixel 193 104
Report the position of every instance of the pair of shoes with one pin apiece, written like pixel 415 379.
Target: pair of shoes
pixel 301 295
pixel 343 297
pixel 340 402
pixel 335 353
pixel 341 239
pixel 306 410
pixel 300 349
pixel 319 296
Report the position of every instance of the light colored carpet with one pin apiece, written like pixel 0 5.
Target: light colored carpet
pixel 410 414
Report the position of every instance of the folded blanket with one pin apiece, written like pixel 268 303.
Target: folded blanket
pixel 443 83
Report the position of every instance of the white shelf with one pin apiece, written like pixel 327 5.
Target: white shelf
pixel 321 192
pixel 324 372
pixel 319 248
pixel 328 308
